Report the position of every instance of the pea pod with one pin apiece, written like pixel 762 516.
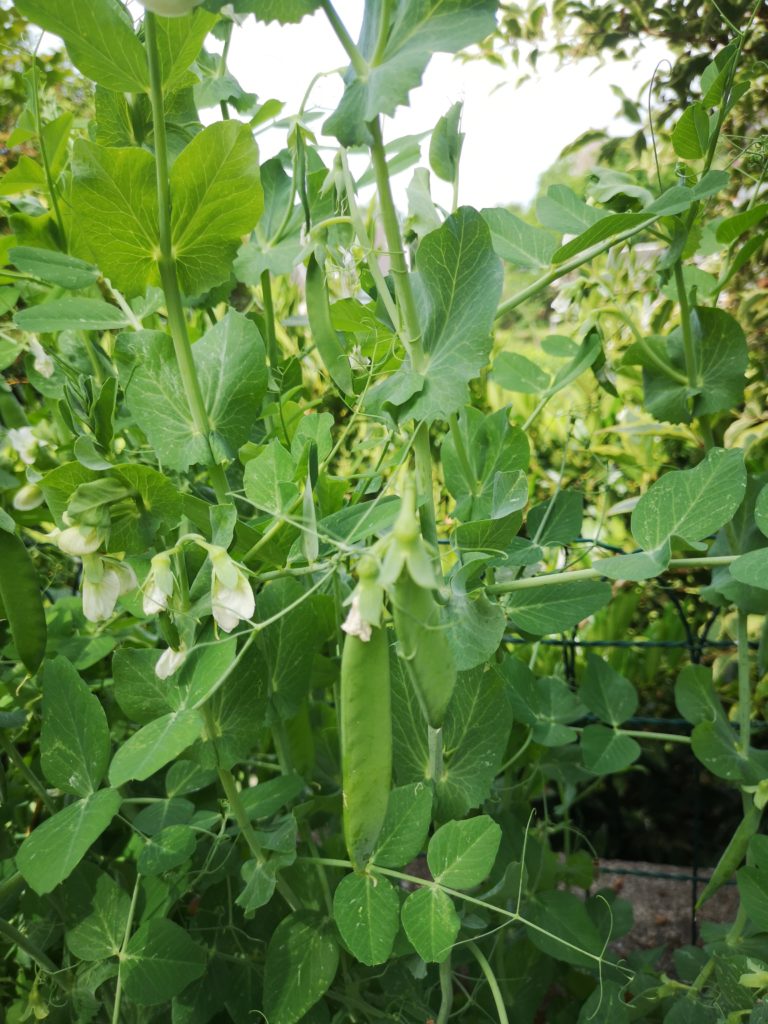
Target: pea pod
pixel 424 647
pixel 733 854
pixel 323 332
pixel 366 741
pixel 20 597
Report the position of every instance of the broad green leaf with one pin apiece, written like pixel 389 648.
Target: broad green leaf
pixel 605 751
pixel 640 565
pixel 289 644
pixel 74 740
pixel 301 947
pixel 557 521
pixel 159 962
pixel 71 315
pixel 55 267
pixel 514 372
pixel 404 832
pixel 761 511
pixel 187 777
pixel 367 913
pixel 26 176
pixel 217 198
pixel 216 195
pixel 691 504
pixel 715 745
pixel 731 228
pixel 474 739
pixel 141 695
pixel 100 930
pixel 260 880
pixel 418 29
pixel 546 705
pixel 695 696
pixel 446 144
pixel 457 285
pixel 431 923
pixel 462 853
pixel 178 43
pixel 753 890
pixel 606 693
pixel 265 799
pixel 269 479
pixel 690 136
pixel 518 243
pixel 752 568
pixel 563 211
pixel 549 608
pixel 154 745
pixel 99 37
pixel 722 357
pixel 492 447
pixel 167 849
pixel 55 848
pixel 231 368
pixel 238 710
pixel 475 627
pixel 285 11
pixel 715 75
pixel 560 925
pixel 114 213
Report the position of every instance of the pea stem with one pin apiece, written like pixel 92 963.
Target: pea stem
pixel 745 689
pixel 123 947
pixel 273 353
pixel 435 746
pixel 446 991
pixel 166 263
pixel 493 984
pixel 18 762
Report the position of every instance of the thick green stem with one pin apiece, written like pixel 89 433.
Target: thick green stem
pixel 356 58
pixel 435 746
pixel 44 156
pixel 745 688
pixel 493 984
pixel 273 353
pixel 166 262
pixel 17 938
pixel 446 991
pixel 554 578
pixel 462 454
pixel 691 363
pixel 123 947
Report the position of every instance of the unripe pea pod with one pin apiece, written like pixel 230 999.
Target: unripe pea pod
pixel 424 646
pixel 170 8
pixel 366 741
pixel 21 600
pixel 733 854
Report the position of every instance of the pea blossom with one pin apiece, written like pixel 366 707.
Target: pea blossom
pixel 158 586
pixel 232 599
pixel 104 581
pixel 170 661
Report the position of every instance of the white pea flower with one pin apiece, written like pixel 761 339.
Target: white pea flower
pixel 170 8
pixel 158 586
pixel 24 442
pixel 42 361
pixel 232 599
pixel 78 540
pixel 169 662
pixel 355 624
pixel 28 497
pixel 357 360
pixel 104 580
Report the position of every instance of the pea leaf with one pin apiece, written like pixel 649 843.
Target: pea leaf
pixel 288 644
pixel 752 568
pixel 141 695
pixel 285 11
pixel 54 267
pixel 561 926
pixel 404 832
pixel 546 705
pixel 154 745
pixel 99 37
pixel 178 43
pixel 216 194
pixel 74 740
pixel 231 368
pixel 563 211
pixel 419 28
pixel 557 521
pixel 367 913
pixel 549 608
pixel 690 504
pixel 690 136
pixel 431 923
pixel 695 696
pixel 457 286
pixel 605 751
pixel 714 744
pixel 301 947
pixel 514 372
pixel 606 693
pixel 71 315
pixel 99 932
pixel 461 853
pixel 160 961
pixel 55 848
pixel 517 242
pixel 753 890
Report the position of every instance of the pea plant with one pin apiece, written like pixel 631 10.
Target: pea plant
pixel 277 529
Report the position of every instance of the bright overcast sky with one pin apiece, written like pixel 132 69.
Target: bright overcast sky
pixel 513 135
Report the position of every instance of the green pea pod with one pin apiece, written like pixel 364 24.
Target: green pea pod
pixel 20 596
pixel 366 741
pixel 323 332
pixel 424 647
pixel 733 855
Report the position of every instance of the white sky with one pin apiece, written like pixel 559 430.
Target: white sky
pixel 513 135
